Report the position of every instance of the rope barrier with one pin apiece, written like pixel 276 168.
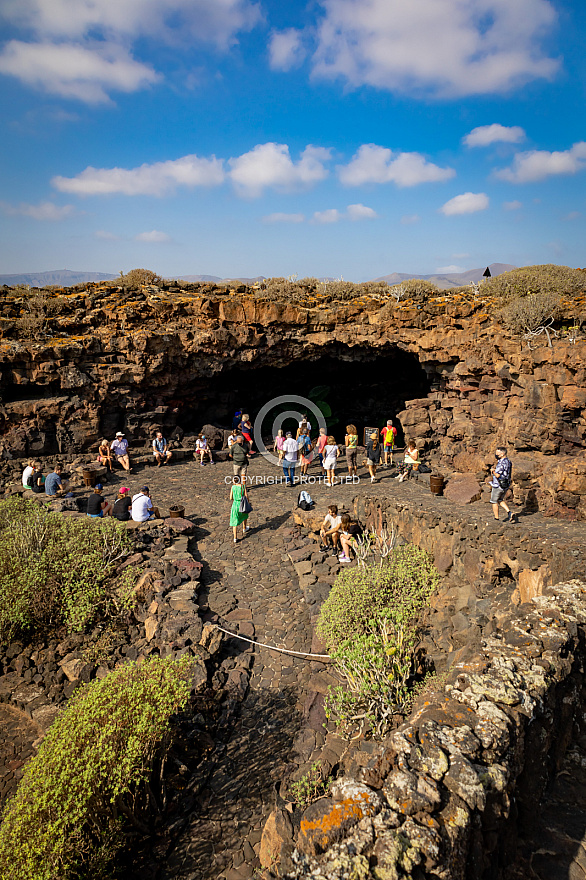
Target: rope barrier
pixel 272 647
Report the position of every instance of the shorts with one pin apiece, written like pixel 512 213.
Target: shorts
pixel 96 515
pixel 239 471
pixel 371 463
pixel 330 464
pixel 351 456
pixel 496 494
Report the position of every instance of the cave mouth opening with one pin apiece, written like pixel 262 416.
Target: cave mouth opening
pixel 361 386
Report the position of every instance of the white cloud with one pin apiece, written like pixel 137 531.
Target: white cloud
pixel 450 270
pixel 466 203
pixel 74 70
pixel 154 180
pixel 573 215
pixel 410 219
pixel 374 164
pixel 81 49
pixel 104 235
pixel 283 218
pixel 485 135
pixel 360 212
pixel 152 237
pixel 539 164
pixel 286 49
pixel 216 22
pixel 270 165
pixel 42 211
pixel 512 206
pixel 331 215
pixel 447 48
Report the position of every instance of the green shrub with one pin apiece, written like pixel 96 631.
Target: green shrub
pixel 549 278
pixel 369 623
pixel 67 817
pixel 528 313
pixel 311 786
pixel 55 570
pixel 403 585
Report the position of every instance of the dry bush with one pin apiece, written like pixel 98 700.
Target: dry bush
pixel 528 313
pixel 413 289
pixel 529 280
pixel 35 313
pixel 138 277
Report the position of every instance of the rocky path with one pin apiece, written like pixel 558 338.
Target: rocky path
pixel 253 587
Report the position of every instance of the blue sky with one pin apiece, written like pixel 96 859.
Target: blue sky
pixel 347 138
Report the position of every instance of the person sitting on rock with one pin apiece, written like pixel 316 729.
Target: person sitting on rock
pixel 122 505
pixel 120 450
pixel 202 449
pixel 37 479
pixel 330 528
pixel 346 539
pixel 411 461
pixel 105 455
pixel 97 506
pixel 142 506
pixel 54 485
pixel 27 472
pixel 161 451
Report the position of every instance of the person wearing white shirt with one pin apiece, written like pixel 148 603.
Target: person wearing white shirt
pixel 26 474
pixel 120 449
pixel 290 448
pixel 142 506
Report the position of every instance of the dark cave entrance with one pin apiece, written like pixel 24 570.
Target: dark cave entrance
pixel 361 386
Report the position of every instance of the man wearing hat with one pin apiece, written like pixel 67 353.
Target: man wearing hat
pixel 97 506
pixel 120 449
pixel 142 506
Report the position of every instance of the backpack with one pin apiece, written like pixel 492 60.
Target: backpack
pixel 305 501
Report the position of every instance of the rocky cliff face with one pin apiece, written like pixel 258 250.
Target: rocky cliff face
pixel 102 359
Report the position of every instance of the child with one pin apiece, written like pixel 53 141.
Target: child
pixel 278 444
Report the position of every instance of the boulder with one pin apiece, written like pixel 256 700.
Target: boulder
pixel 463 489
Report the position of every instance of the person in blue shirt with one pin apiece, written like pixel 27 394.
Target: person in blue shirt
pixel 54 483
pixel 161 451
pixel 500 483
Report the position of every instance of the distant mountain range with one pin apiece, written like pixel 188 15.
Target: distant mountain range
pixel 60 277
pixel 67 278
pixel 456 279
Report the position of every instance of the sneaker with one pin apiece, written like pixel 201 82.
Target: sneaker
pixel 344 559
pixel 372 479
pixel 511 517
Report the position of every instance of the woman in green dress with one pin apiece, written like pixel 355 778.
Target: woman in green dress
pixel 237 490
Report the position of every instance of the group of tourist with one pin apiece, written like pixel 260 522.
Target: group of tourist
pixel 301 450
pixel 33 478
pixel 118 451
pixel 138 508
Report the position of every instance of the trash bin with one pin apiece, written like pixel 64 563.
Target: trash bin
pixel 177 512
pixel 436 484
pixel 89 478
